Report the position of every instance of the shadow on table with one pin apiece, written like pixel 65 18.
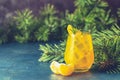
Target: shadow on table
pixel 86 76
pixel 74 76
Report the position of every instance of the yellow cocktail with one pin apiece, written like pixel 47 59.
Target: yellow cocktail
pixel 79 50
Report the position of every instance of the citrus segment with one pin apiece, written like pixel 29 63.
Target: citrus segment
pixel 54 67
pixel 61 68
pixel 66 69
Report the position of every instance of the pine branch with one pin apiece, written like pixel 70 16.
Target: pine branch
pixel 52 52
pixel 25 25
pixel 107 50
pixel 90 15
pixel 49 23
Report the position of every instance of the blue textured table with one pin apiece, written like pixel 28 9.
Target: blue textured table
pixel 20 62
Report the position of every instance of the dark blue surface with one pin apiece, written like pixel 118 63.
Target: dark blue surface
pixel 20 62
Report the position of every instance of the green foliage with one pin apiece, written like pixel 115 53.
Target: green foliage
pixel 52 52
pixel 25 25
pixel 7 29
pixel 92 15
pixel 49 23
pixel 3 36
pixel 107 50
pixel 89 15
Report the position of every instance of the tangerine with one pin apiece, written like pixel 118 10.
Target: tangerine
pixel 61 68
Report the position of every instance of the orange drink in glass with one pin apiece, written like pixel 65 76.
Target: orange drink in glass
pixel 79 50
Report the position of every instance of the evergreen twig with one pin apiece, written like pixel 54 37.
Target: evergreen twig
pixel 49 23
pixel 52 52
pixel 107 50
pixel 25 25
